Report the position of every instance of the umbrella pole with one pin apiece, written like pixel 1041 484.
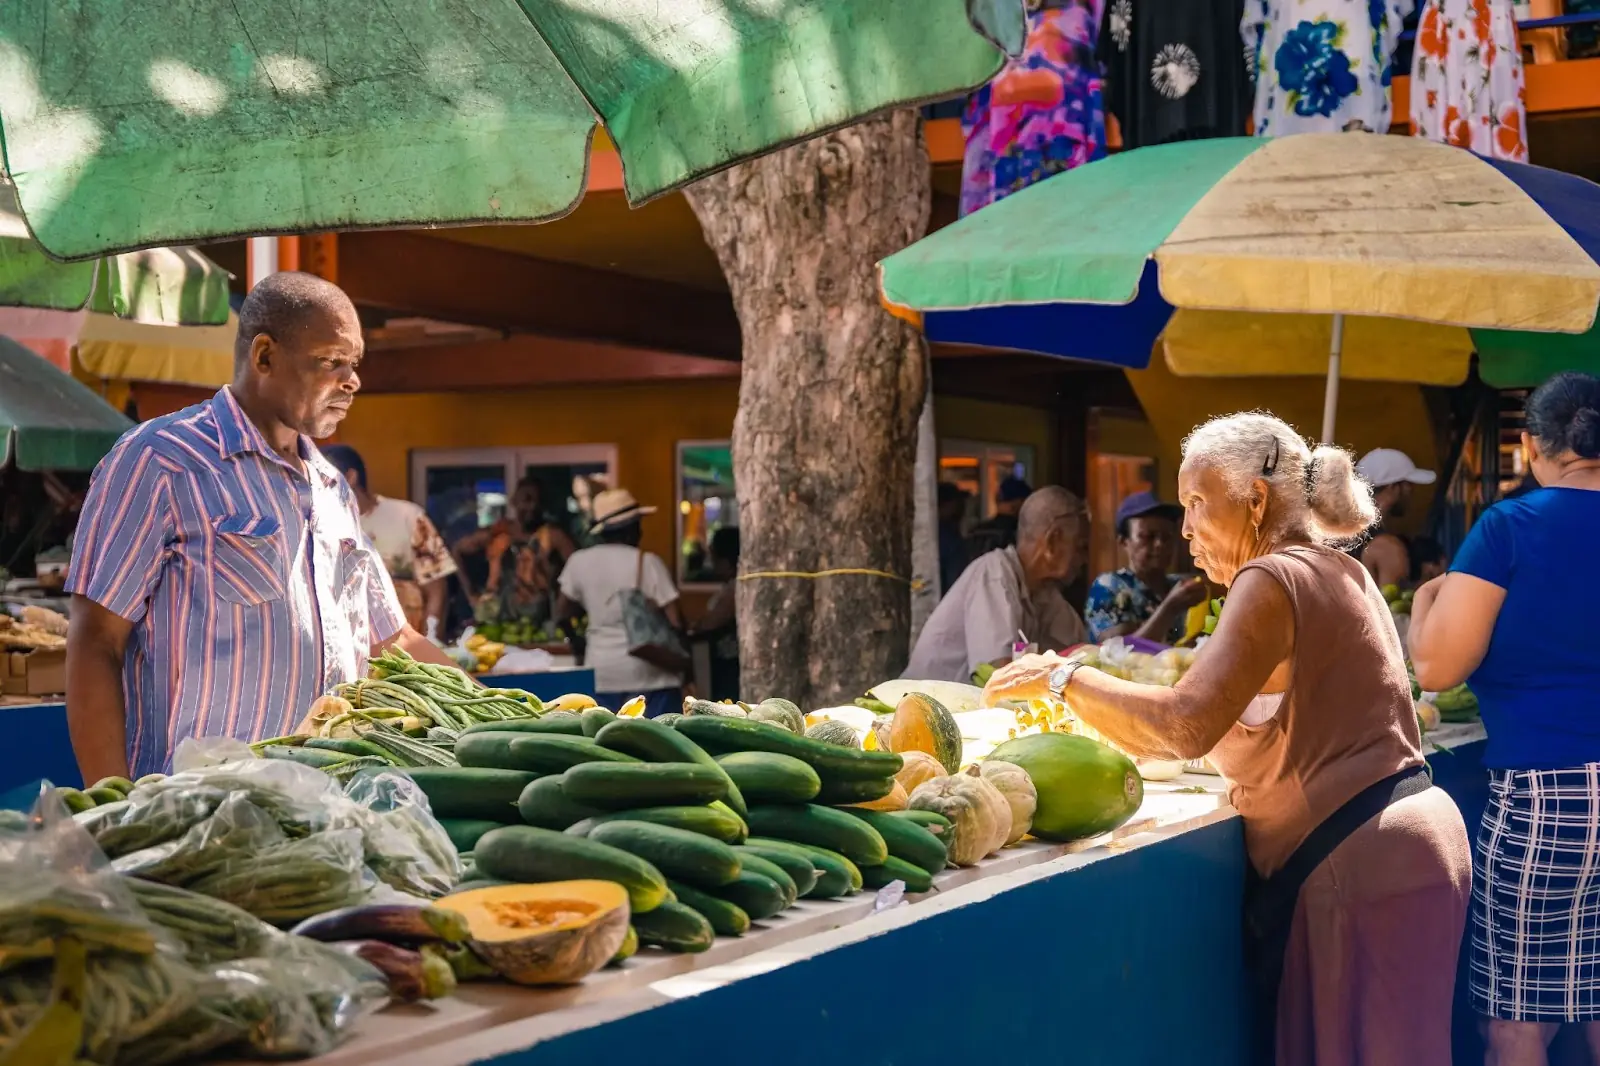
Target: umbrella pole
pixel 1330 397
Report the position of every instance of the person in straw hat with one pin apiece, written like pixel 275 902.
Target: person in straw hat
pixel 597 581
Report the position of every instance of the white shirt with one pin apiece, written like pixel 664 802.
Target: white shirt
pixel 593 577
pixel 978 619
pixel 406 541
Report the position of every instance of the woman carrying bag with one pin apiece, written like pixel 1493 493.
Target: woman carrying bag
pixel 634 644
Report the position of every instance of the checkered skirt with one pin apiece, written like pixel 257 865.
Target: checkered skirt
pixel 1536 897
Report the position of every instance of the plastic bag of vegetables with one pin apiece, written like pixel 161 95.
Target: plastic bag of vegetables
pixel 405 846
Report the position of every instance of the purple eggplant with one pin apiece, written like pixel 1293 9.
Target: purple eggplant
pixel 411 975
pixel 396 923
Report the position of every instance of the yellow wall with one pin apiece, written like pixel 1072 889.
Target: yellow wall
pixel 1372 414
pixel 645 422
pixel 956 417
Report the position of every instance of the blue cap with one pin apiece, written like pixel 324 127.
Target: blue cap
pixel 1013 489
pixel 1141 504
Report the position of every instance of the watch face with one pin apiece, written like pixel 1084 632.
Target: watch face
pixel 1058 680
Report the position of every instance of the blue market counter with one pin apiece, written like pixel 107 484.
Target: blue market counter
pixel 37 744
pixel 1122 950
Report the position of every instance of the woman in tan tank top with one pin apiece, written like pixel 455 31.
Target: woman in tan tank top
pixel 1361 869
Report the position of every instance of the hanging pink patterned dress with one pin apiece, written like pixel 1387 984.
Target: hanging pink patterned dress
pixel 1466 78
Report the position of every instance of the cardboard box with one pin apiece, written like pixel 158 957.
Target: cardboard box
pixel 33 673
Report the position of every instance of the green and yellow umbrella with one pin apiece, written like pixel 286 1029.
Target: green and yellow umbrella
pixel 128 125
pixel 1390 257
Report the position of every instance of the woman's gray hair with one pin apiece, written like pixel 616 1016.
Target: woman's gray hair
pixel 1314 490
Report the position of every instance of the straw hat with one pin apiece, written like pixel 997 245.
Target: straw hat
pixel 616 507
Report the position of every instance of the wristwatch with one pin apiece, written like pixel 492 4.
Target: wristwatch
pixel 1059 678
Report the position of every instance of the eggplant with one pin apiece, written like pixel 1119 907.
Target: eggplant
pixel 397 923
pixel 411 975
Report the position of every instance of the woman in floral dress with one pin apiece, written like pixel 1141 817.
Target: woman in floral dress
pixel 1322 65
pixel 1466 78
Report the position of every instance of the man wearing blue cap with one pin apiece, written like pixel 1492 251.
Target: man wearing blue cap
pixel 1143 599
pixel 1001 530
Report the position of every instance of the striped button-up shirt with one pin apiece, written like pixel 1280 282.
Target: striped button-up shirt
pixel 249 583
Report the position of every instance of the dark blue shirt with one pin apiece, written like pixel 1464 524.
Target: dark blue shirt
pixel 1538 687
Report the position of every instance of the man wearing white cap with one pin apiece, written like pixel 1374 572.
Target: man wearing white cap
pixel 1391 473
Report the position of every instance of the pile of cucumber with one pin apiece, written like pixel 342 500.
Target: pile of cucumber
pixel 709 823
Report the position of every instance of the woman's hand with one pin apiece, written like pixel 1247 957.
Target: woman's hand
pixel 1025 678
pixel 1186 594
pixel 1426 594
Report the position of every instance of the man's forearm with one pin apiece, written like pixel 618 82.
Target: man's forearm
pixel 418 647
pixel 433 601
pixel 97 714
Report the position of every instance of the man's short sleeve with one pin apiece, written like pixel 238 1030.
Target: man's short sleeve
pixel 1489 553
pixel 121 541
pixel 657 582
pixel 430 559
pixel 993 615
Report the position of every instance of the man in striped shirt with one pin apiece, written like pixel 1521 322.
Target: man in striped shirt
pixel 220 580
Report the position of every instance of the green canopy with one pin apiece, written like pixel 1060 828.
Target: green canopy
pixel 132 125
pixel 167 286
pixel 48 419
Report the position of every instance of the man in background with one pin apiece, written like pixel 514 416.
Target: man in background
pixel 1001 530
pixel 1391 473
pixel 1015 589
pixel 953 555
pixel 411 549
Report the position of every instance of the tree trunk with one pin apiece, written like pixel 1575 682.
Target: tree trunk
pixel 927 589
pixel 825 438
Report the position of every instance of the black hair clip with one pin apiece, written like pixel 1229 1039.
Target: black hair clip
pixel 1270 467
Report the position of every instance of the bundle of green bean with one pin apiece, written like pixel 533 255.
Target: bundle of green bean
pixel 443 694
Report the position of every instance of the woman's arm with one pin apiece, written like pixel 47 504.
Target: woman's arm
pixel 1452 619
pixel 1253 636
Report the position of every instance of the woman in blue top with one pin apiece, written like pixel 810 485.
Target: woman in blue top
pixel 1515 619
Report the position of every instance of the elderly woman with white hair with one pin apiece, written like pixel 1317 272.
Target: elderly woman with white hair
pixel 1359 868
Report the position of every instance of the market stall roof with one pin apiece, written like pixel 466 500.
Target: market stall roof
pixel 132 128
pixel 1267 243
pixel 162 285
pixel 119 350
pixel 49 420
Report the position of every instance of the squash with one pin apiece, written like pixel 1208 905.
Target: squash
pixel 576 702
pixel 895 801
pixel 980 818
pixel 780 712
pixel 833 731
pixel 554 933
pixel 1085 788
pixel 919 767
pixel 1016 786
pixel 921 723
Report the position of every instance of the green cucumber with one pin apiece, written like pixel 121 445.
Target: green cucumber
pixel 832 761
pixel 822 827
pixel 675 927
pixel 772 872
pixel 352 746
pixel 526 855
pixel 102 796
pixel 836 875
pixel 932 821
pixel 565 722
pixel 726 919
pixel 75 800
pixel 618 786
pixel 651 740
pixel 915 877
pixel 317 760
pixel 840 793
pixel 722 805
pixel 715 821
pixel 545 753
pixel 117 784
pixel 797 866
pixel 464 833
pixel 767 777
pixel 471 792
pixel 758 896
pixel 677 853
pixel 629 948
pixel 905 840
pixel 595 719
pixel 544 804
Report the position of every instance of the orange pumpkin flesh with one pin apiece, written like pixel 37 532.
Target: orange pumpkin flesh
pixel 545 934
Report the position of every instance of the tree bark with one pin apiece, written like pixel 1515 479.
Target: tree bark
pixel 926 589
pixel 825 437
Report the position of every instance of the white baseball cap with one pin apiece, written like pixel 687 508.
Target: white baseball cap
pixel 1390 466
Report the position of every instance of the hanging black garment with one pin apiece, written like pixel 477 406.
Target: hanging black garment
pixel 1175 69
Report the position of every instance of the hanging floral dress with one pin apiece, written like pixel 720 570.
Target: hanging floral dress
pixel 1042 114
pixel 1466 78
pixel 1322 65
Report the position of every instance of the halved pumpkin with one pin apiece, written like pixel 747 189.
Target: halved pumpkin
pixel 547 934
pixel 921 723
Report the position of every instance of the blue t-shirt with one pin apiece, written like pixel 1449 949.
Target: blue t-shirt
pixel 1538 687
